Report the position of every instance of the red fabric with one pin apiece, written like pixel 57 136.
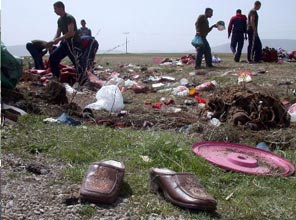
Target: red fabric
pixel 188 59
pixel 200 100
pixel 85 42
pixel 157 105
pixel 169 101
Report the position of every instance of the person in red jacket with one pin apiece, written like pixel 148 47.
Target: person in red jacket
pixel 237 28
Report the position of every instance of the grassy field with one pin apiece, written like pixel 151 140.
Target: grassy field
pixel 239 196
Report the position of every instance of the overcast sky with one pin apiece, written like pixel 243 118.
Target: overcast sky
pixel 153 25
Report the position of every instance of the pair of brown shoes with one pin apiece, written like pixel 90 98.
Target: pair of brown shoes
pixel 103 181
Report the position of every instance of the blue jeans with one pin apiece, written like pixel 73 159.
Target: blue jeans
pixel 205 49
pixel 254 48
pixel 236 45
pixel 66 49
pixel 37 55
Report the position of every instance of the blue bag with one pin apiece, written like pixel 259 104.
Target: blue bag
pixel 197 41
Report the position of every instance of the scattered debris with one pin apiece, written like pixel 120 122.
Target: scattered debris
pixel 255 109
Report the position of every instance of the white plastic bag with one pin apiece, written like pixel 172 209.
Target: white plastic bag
pixel 109 98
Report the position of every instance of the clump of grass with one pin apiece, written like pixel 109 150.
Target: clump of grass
pixel 87 211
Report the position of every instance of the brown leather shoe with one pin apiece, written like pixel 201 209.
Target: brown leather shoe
pixel 182 189
pixel 102 181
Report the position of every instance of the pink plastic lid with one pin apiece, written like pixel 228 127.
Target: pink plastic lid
pixel 243 158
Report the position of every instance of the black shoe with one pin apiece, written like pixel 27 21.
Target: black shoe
pixel 211 66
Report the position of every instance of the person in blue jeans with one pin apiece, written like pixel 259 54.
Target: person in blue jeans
pixel 70 42
pixel 237 28
pixel 202 29
pixel 255 46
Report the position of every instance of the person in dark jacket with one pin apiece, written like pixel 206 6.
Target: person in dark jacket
pixel 255 45
pixel 237 29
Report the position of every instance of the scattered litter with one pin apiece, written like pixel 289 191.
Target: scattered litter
pixel 181 91
pixel 165 90
pixel 153 78
pixel 157 105
pixel 68 120
pixel 229 196
pixel 189 102
pixel 244 77
pixel 292 112
pixel 140 88
pixel 145 158
pixel 184 82
pixel 71 90
pixel 215 122
pixel 174 110
pixel 207 86
pixel 129 83
pixel 116 81
pixel 50 120
pixel 157 86
pixel 216 59
pixel 200 100
pixel 262 146
pixel 167 78
pixel 201 105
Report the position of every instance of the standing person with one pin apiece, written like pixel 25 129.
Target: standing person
pixel 237 28
pixel 84 31
pixel 70 42
pixel 202 29
pixel 255 45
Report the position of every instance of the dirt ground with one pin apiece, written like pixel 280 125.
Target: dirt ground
pixel 232 104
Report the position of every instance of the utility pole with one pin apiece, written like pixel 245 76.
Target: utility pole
pixel 125 33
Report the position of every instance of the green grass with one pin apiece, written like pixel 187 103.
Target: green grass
pixel 87 211
pixel 239 196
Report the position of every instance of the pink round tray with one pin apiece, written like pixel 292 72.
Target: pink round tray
pixel 243 158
